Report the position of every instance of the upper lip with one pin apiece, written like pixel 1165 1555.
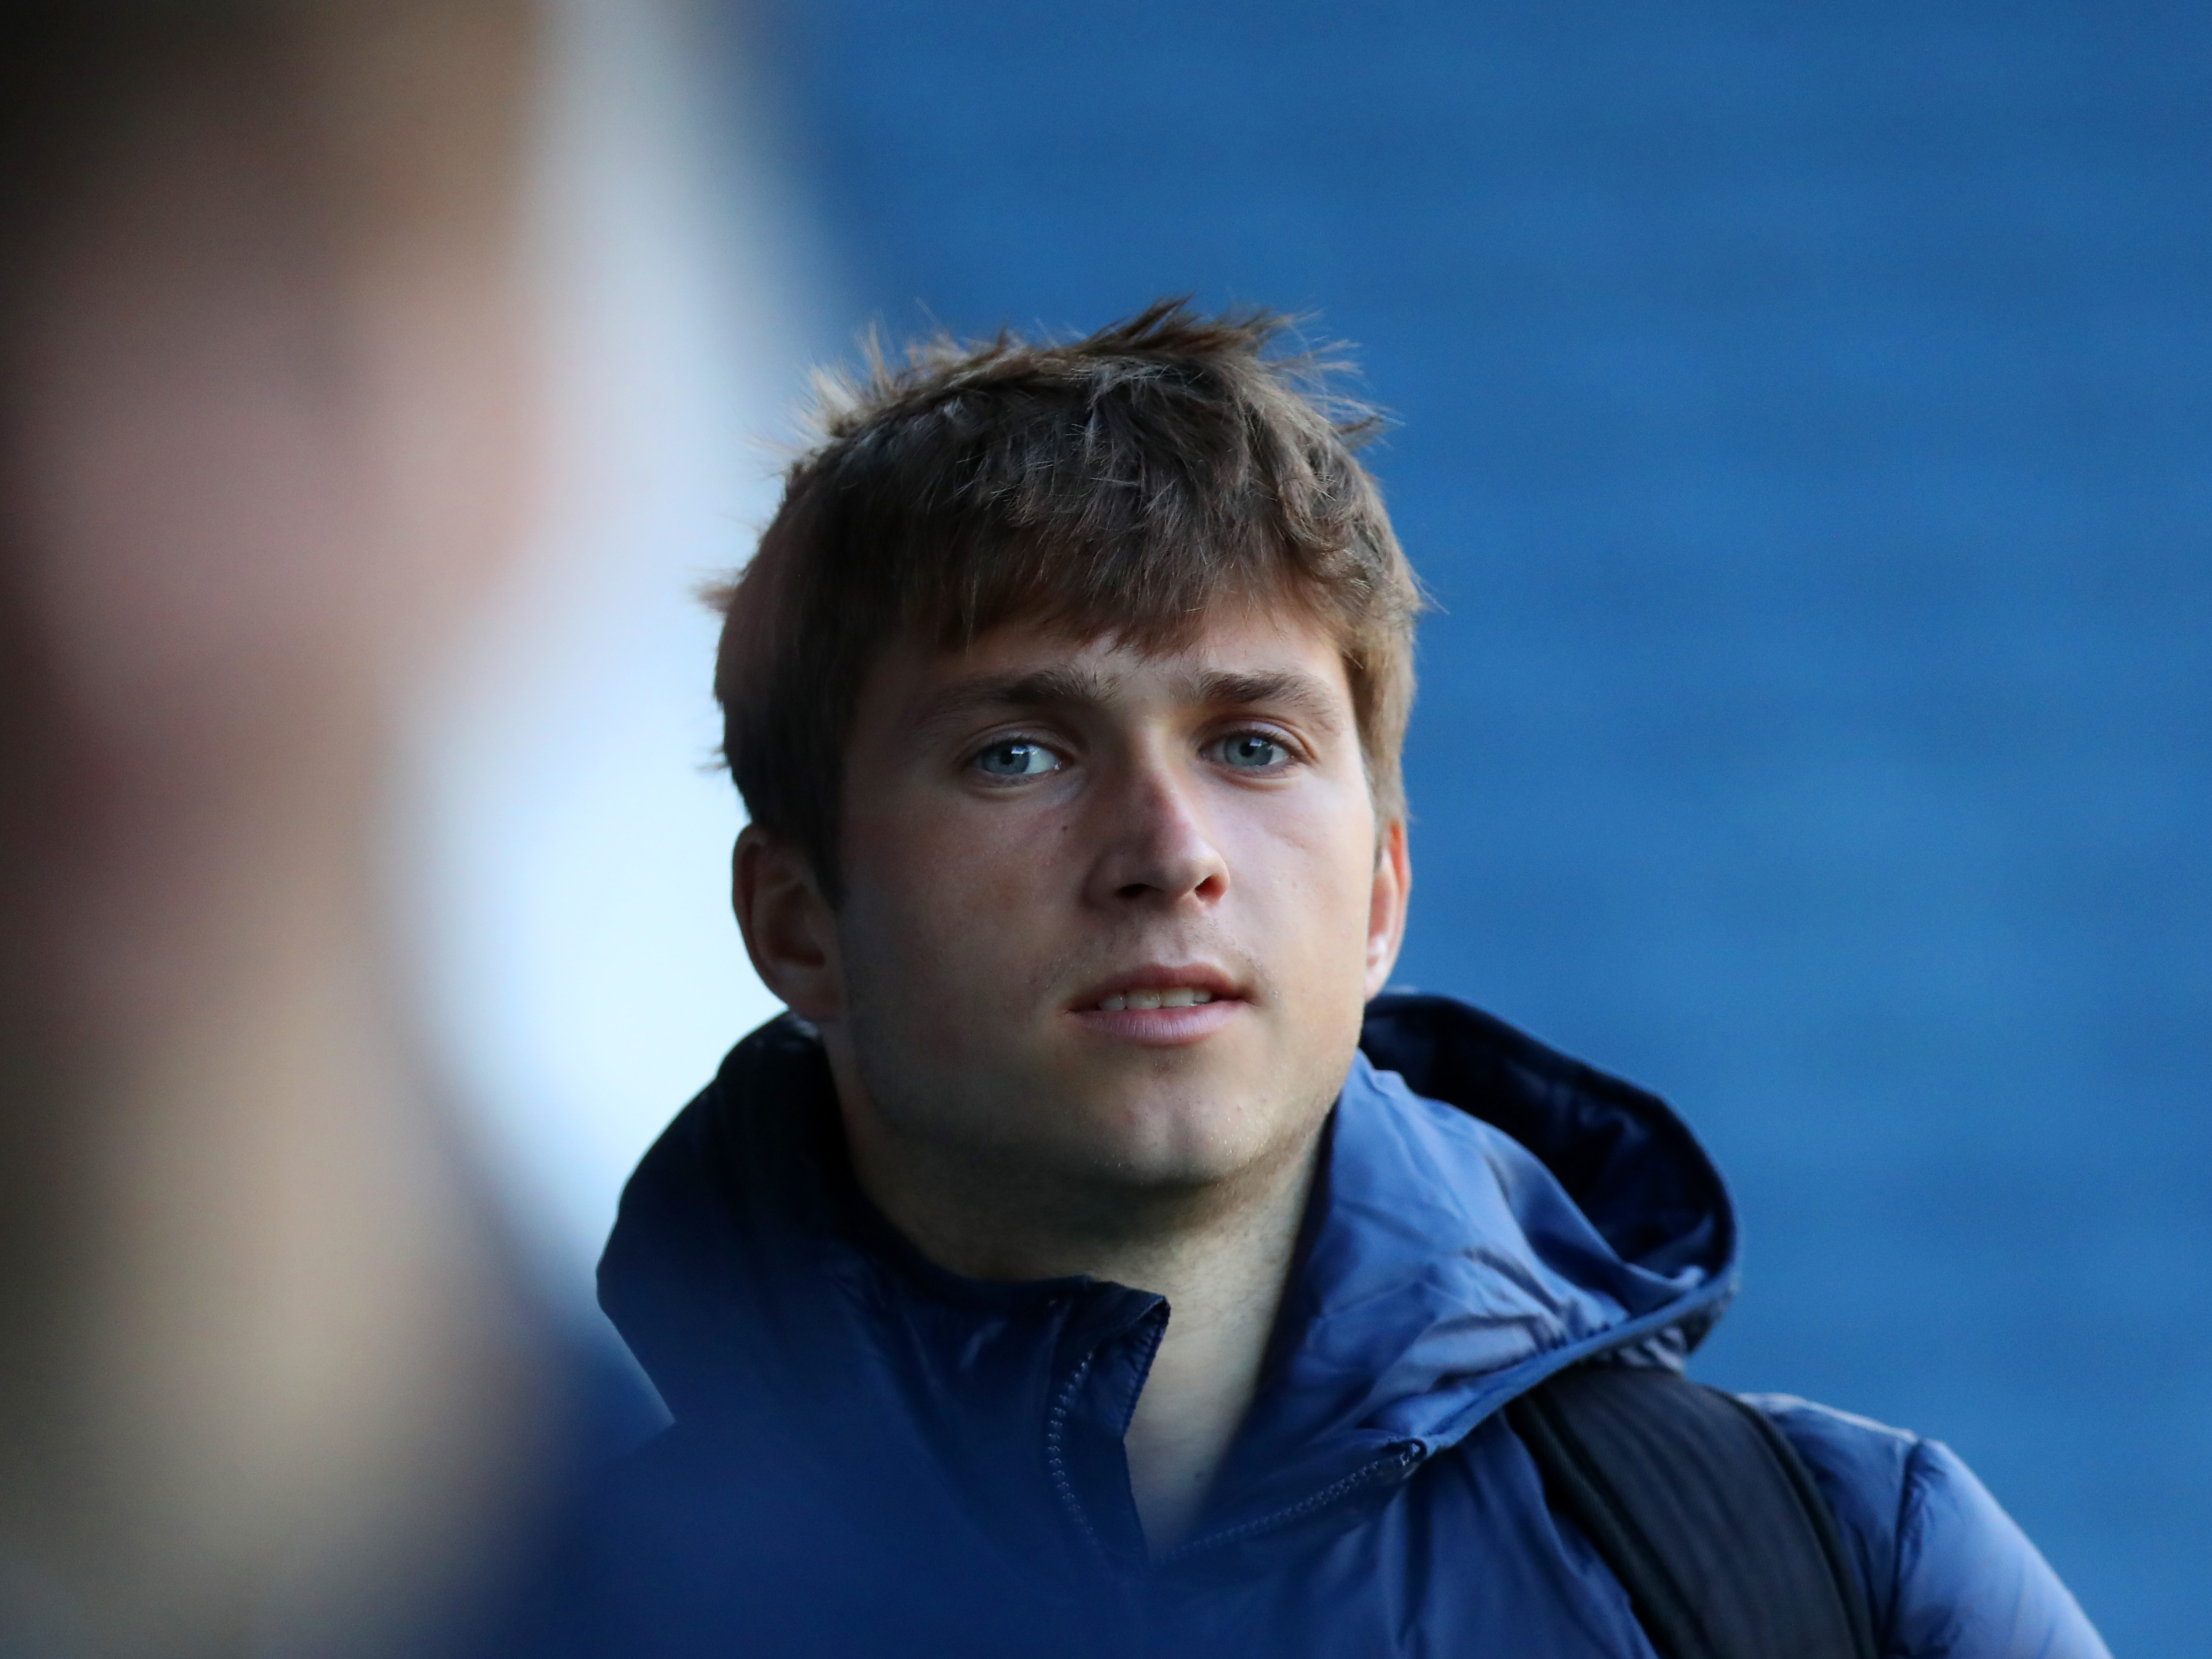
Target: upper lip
pixel 1155 976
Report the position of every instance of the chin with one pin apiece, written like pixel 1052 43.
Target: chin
pixel 1158 1144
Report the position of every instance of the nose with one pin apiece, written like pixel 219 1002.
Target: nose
pixel 1156 845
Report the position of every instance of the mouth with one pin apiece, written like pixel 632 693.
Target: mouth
pixel 1158 1004
pixel 1182 997
pixel 1153 986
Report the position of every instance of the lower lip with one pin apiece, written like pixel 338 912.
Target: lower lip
pixel 1161 1027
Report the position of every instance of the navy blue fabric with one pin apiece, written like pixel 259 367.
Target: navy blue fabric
pixel 870 1450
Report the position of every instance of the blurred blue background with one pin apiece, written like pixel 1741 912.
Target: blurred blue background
pixel 1804 431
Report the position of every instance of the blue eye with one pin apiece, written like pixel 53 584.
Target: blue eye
pixel 1251 749
pixel 1016 759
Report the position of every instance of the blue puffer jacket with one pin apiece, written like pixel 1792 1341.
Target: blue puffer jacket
pixel 870 1453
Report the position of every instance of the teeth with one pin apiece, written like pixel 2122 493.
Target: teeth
pixel 1182 997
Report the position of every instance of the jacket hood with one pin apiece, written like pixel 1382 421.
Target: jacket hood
pixel 1487 1211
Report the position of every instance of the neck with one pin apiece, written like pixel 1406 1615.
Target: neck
pixel 1223 1292
pixel 1219 1254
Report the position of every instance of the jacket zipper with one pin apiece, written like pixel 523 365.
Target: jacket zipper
pixel 1055 1461
pixel 1396 1463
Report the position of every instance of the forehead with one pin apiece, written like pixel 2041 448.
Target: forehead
pixel 1245 653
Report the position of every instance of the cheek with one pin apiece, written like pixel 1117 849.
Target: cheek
pixel 940 898
pixel 1309 884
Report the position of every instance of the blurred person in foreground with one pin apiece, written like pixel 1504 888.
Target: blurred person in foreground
pixel 269 1382
pixel 1096 1258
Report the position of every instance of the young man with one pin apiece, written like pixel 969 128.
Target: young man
pixel 1060 1275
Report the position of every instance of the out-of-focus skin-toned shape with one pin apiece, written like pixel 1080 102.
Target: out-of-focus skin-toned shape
pixel 265 1380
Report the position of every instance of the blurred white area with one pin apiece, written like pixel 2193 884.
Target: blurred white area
pixel 566 857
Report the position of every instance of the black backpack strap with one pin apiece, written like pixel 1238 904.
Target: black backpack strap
pixel 1705 1514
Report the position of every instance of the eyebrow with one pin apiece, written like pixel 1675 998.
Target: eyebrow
pixel 1047 688
pixel 1302 694
pixel 1068 688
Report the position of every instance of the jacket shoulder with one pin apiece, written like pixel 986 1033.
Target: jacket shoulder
pixel 1947 1571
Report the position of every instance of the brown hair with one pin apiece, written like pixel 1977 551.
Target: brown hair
pixel 1113 485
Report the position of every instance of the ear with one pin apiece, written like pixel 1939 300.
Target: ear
pixel 1386 908
pixel 790 929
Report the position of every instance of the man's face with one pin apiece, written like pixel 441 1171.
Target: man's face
pixel 1109 917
